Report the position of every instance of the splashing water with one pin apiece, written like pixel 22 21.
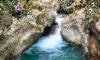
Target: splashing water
pixel 52 47
pixel 51 41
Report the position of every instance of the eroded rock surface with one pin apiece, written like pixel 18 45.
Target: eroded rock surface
pixel 73 28
pixel 73 31
pixel 22 33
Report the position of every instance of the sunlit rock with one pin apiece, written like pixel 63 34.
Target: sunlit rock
pixel 73 29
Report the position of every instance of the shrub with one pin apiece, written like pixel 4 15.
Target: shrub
pixel 41 15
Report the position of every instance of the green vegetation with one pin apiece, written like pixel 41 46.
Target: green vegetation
pixel 91 9
pixel 65 3
pixel 26 5
pixel 92 12
pixel 92 15
pixel 39 28
pixel 41 15
pixel 0 13
pixel 10 6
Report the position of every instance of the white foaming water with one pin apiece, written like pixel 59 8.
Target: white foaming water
pixel 58 20
pixel 51 42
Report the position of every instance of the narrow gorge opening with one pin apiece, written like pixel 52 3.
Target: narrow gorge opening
pixel 51 46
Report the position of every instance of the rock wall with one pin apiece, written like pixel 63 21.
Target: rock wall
pixel 94 40
pixel 23 32
pixel 73 28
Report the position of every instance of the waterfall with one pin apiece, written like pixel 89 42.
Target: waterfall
pixel 53 40
pixel 52 46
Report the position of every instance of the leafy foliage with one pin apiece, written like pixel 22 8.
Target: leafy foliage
pixel 41 15
pixel 65 6
pixel 92 12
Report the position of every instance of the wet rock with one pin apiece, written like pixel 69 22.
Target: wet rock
pixel 46 31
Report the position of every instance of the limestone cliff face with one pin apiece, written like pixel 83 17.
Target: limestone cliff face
pixel 18 35
pixel 73 28
pixel 16 38
pixel 73 31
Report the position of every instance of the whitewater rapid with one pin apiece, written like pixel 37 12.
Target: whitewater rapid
pixel 52 41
